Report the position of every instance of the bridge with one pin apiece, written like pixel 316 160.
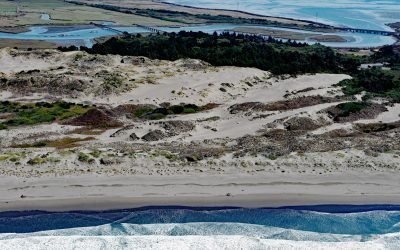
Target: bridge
pixel 347 29
pixel 148 28
pixel 105 27
pixel 367 31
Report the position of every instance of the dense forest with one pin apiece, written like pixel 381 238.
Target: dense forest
pixel 375 81
pixel 228 49
pixel 389 54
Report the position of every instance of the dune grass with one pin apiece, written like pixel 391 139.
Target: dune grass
pixel 67 142
pixel 22 114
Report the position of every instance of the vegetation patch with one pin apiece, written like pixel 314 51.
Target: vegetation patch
pixel 22 114
pixel 42 159
pixel 149 113
pixel 302 124
pixel 166 154
pixel 82 157
pixel 67 142
pixel 95 153
pixel 352 107
pixel 295 103
pixel 353 111
pixel 95 118
pixel 13 156
pixel 87 131
pixel 37 160
pixel 375 82
pixel 112 83
pixel 376 127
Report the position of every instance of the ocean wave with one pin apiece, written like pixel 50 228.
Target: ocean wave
pixel 202 228
pixel 357 223
pixel 183 242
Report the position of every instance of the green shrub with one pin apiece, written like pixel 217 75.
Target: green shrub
pixel 39 144
pixel 352 107
pixel 189 111
pixel 351 87
pixel 163 111
pixel 155 116
pixel 142 111
pixel 375 82
pixel 191 106
pixel 272 157
pixel 41 112
pixel 65 105
pixel 349 108
pixel 37 160
pixel 44 104
pixel 112 82
pixel 85 158
pixel 395 95
pixel 177 109
pixel 160 113
pixel 20 121
pixel 95 153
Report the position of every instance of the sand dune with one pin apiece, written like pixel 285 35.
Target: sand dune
pixel 246 138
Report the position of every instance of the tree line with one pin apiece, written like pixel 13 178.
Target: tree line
pixel 231 49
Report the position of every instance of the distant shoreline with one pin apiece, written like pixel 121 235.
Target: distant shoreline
pixel 247 13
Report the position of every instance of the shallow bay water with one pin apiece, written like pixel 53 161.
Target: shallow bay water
pixel 84 35
pixel 366 14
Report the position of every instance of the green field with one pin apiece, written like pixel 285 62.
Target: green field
pixel 65 13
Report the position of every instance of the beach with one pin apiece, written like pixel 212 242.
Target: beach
pixel 110 150
pixel 94 193
pixel 248 139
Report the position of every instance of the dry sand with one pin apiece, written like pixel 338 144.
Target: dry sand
pixel 102 192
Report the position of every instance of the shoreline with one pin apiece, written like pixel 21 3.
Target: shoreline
pixel 247 13
pixel 272 202
pixel 78 27
pixel 254 15
pixel 98 193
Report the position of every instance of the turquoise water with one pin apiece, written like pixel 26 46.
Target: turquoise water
pixel 83 36
pixel 366 14
pixel 45 17
pixel 344 227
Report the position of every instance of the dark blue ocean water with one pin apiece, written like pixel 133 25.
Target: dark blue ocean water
pixel 309 227
pixel 335 219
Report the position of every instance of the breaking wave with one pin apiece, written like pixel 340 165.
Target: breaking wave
pixel 202 228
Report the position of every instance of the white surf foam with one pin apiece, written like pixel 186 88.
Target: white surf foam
pixel 177 242
pixel 193 236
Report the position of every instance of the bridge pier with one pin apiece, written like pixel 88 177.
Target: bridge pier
pixel 367 31
pixel 107 28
